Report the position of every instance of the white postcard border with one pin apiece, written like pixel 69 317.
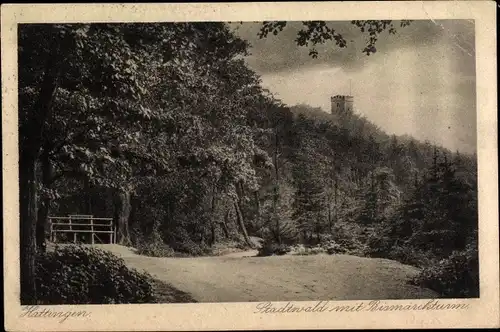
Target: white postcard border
pixel 483 312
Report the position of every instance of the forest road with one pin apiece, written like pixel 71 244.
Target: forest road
pixel 239 277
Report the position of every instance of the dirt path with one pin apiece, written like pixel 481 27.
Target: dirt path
pixel 237 277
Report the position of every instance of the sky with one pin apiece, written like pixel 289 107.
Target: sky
pixel 420 82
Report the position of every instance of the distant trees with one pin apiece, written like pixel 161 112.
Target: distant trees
pixel 448 210
pixel 396 198
pixel 380 196
pixel 439 216
pixel 310 207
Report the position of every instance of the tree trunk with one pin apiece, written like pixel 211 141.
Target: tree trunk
pixel 42 221
pixel 31 131
pixel 257 205
pixel 330 224
pixel 212 216
pixel 373 210
pixel 133 226
pixel 276 188
pixel 109 202
pixel 241 223
pixel 202 235
pixel 122 216
pixel 335 199
pixel 30 138
pixel 224 223
pixel 43 209
pixel 88 197
pixel 27 186
pixel 213 235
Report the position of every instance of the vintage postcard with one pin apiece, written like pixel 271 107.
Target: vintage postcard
pixel 250 166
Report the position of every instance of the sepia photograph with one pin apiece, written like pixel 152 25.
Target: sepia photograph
pixel 248 161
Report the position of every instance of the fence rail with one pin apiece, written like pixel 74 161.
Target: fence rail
pixel 62 225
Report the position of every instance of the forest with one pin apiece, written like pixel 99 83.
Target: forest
pixel 164 128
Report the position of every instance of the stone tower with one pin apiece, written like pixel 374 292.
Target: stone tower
pixel 342 104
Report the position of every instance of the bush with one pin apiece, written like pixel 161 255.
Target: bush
pixel 454 277
pixel 299 249
pixel 333 248
pixel 302 250
pixel 183 244
pixel 154 247
pixel 347 240
pixel 82 275
pixel 330 244
pixel 340 243
pixel 410 255
pixel 270 248
pixel 192 248
pixel 317 250
pixel 378 245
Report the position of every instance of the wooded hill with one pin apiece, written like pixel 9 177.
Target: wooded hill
pixel 165 128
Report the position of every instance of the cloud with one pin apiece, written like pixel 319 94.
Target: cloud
pixel 420 82
pixel 403 92
pixel 279 53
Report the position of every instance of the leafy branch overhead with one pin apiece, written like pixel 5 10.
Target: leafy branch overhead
pixel 318 32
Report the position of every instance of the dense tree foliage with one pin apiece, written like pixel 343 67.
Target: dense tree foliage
pixel 164 128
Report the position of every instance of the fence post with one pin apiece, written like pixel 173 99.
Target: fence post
pixel 111 234
pixel 92 229
pixel 71 228
pixel 51 230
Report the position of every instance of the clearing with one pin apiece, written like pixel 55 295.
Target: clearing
pixel 239 277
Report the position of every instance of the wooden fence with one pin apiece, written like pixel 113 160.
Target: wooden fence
pixel 79 224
